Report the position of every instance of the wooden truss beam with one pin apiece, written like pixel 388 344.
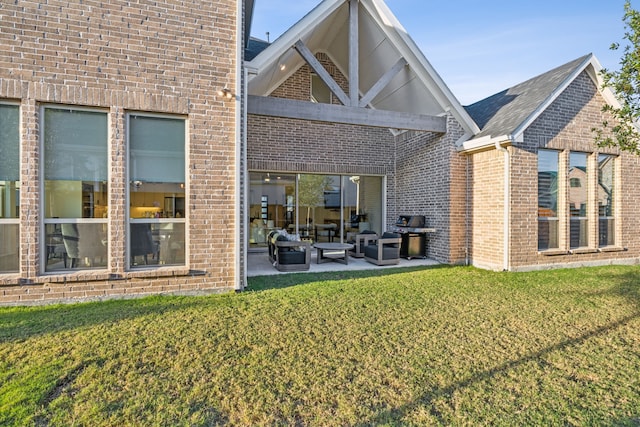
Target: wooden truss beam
pixel 354 55
pixel 288 108
pixel 324 75
pixel 382 83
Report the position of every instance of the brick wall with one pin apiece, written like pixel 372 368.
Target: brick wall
pixel 486 201
pixel 166 56
pixel 431 181
pixel 566 125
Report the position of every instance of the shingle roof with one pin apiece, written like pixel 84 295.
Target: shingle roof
pixel 504 112
pixel 254 47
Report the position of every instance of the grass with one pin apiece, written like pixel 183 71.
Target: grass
pixel 440 346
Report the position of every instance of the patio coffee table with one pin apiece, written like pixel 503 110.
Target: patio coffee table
pixel 333 247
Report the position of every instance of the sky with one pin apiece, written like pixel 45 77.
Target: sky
pixel 481 48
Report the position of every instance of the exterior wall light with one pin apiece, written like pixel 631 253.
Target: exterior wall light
pixel 225 93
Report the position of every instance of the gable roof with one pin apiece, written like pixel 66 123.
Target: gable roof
pixel 254 47
pixel 503 117
pixel 383 41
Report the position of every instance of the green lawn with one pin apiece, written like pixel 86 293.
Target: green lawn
pixel 441 346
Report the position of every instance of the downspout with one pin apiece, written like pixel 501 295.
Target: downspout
pixel 240 259
pixel 467 225
pixel 507 204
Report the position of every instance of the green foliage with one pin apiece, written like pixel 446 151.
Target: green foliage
pixel 440 346
pixel 622 131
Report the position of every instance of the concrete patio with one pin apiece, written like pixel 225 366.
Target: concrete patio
pixel 258 265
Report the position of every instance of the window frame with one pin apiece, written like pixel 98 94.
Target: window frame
pixel 550 219
pixel 129 220
pixel 311 96
pixel 44 220
pixel 15 221
pixel 614 199
pixel 586 217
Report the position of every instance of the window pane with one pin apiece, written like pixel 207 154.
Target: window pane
pixel 271 205
pixel 606 231
pixel 75 246
pixel 75 164
pixel 156 149
pixel 547 234
pixel 319 91
pixel 547 199
pixel 578 233
pixel 606 194
pixel 75 145
pixel 9 143
pixel 9 188
pixel 157 191
pixel 155 244
pixel 9 247
pixel 578 199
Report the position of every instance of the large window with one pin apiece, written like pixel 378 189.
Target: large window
pixel 156 190
pixel 578 200
pixel 325 208
pixel 75 188
pixel 9 187
pixel 547 200
pixel 606 197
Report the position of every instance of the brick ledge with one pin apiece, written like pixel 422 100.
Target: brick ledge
pixel 102 275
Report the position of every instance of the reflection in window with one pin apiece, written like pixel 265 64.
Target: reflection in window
pixel 156 191
pixel 320 92
pixel 606 194
pixel 75 188
pixel 9 187
pixel 547 200
pixel 578 200
pixel 320 208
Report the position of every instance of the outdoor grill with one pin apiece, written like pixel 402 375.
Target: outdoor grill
pixel 413 233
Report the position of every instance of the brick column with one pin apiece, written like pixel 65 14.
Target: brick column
pixel 30 187
pixel 117 192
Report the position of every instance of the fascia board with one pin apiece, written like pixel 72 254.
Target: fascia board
pixel 594 72
pixel 298 31
pixel 484 143
pixel 412 53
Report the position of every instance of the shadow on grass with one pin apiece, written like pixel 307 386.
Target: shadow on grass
pixel 281 281
pixel 628 288
pixel 21 323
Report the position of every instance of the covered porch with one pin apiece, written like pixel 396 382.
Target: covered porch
pixel 258 264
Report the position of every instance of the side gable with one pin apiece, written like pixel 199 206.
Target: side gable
pixel 505 116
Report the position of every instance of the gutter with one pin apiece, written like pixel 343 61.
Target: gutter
pixel 507 204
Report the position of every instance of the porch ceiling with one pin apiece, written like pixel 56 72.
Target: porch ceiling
pixel 379 49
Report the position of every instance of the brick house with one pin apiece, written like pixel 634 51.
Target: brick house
pixel 148 148
pixel 119 165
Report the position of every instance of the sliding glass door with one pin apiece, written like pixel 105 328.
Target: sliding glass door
pixel 317 207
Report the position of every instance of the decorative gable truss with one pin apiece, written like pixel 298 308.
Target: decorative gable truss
pixel 354 109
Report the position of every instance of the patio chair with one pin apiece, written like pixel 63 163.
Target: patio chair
pixel 385 251
pixel 360 241
pixel 288 255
